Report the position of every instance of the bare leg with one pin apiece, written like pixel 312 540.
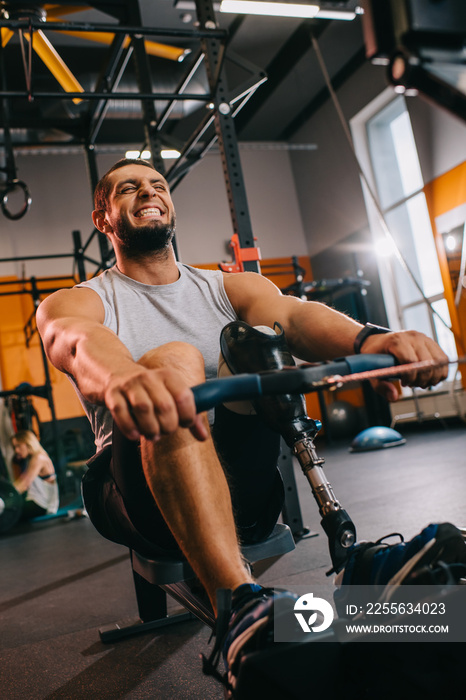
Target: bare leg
pixel 190 488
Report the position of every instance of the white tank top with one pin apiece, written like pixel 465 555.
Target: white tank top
pixel 44 493
pixel 194 309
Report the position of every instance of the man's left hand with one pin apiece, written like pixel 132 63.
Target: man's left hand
pixel 407 347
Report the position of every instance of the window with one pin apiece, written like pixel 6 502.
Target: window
pixel 386 147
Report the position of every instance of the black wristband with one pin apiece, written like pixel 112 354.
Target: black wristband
pixel 369 329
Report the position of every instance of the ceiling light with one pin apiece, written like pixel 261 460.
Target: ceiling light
pixel 450 243
pixel 336 14
pixel 145 155
pixel 282 9
pixel 169 153
pixel 275 9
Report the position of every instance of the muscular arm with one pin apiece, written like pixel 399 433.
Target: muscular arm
pixel 39 465
pixel 142 401
pixel 317 332
pixel 313 331
pixel 70 323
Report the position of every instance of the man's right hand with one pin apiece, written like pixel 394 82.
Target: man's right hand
pixel 151 403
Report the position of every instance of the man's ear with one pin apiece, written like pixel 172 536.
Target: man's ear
pixel 100 221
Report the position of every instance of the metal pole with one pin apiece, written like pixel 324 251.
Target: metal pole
pixel 59 455
pixel 94 179
pixel 226 134
pixel 79 255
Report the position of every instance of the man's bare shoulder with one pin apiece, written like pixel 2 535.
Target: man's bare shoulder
pixel 255 298
pixel 77 301
pixel 247 282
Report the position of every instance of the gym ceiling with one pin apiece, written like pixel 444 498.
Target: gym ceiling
pixel 269 67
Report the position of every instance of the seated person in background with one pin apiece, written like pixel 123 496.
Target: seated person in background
pixel 133 341
pixel 35 476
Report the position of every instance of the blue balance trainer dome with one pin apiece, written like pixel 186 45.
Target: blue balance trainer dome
pixel 377 438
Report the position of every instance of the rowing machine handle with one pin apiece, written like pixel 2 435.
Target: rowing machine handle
pixel 295 380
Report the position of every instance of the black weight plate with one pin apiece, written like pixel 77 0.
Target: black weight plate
pixel 11 505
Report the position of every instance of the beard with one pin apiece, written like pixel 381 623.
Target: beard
pixel 138 242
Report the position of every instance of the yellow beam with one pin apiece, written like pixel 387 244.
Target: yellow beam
pixel 172 53
pixel 55 63
pixel 6 35
pixel 59 10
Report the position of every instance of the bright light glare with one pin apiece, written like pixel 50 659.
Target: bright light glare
pixel 450 242
pixel 275 9
pixel 385 248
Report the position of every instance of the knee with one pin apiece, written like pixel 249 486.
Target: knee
pixel 178 355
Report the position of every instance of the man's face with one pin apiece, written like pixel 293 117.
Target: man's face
pixel 140 211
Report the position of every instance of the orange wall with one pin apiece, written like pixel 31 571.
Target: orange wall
pixel 285 276
pixel 19 363
pixel 442 195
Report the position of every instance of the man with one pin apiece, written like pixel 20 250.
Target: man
pixel 134 341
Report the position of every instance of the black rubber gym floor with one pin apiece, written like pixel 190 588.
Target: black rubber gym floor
pixel 60 581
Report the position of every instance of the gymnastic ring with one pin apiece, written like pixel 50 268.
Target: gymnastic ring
pixel 10 187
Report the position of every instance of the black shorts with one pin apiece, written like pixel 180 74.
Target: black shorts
pixel 122 508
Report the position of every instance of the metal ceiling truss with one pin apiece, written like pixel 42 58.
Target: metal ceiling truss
pixel 323 95
pixel 283 63
pixel 127 40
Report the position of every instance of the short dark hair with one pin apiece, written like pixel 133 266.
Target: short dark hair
pixel 102 189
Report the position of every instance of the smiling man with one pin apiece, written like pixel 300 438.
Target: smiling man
pixel 133 341
pixel 132 222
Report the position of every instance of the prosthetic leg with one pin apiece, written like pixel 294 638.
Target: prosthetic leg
pixel 347 668
pixel 251 350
